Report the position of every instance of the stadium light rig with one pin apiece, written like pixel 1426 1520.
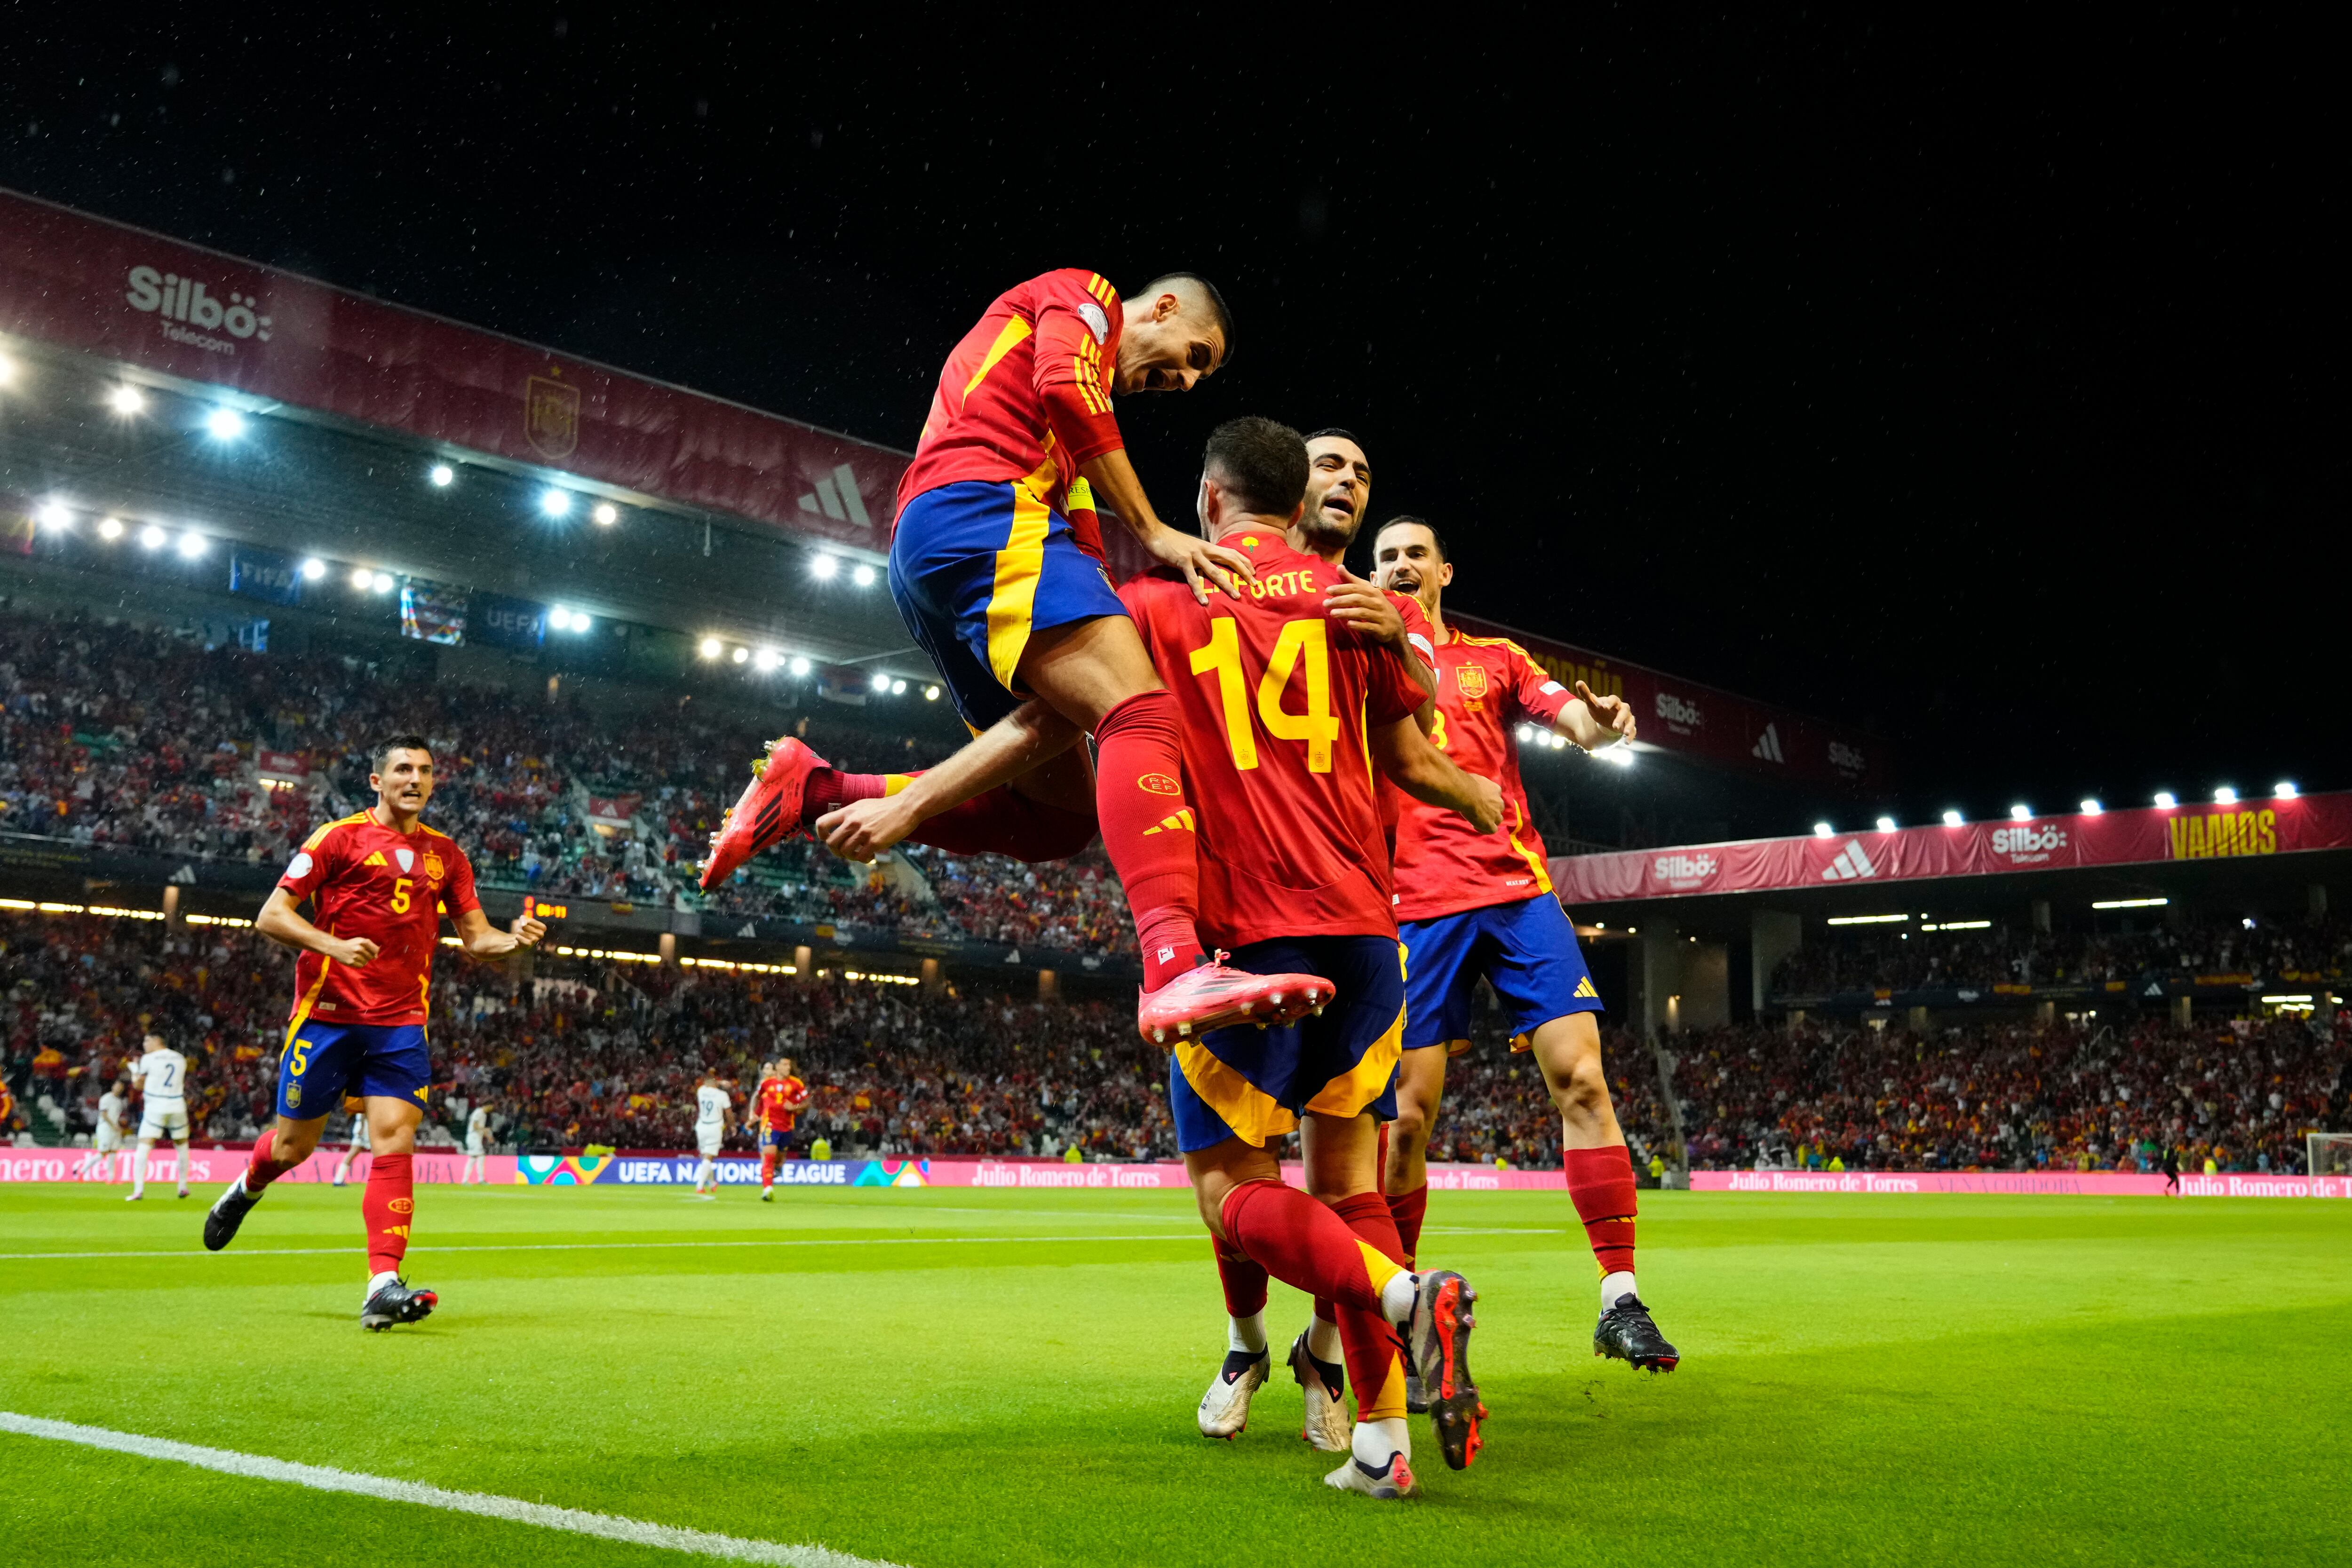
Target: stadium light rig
pixel 898 688
pixel 152 538
pixel 193 544
pixel 555 501
pixel 110 529
pixel 443 475
pixel 1824 831
pixel 742 655
pixel 313 569
pixel 823 568
pixel 2129 902
pixel 381 583
pixel 225 424
pixel 800 666
pixel 2021 813
pixel 863 576
pixel 2164 800
pixel 881 682
pixel 606 513
pixel 360 578
pixel 54 517
pixel 2225 796
pixel 766 660
pixel 2091 807
pixel 1886 824
pixel 7 370
pixel 126 399
pixel 1954 820
pixel 2284 790
pixel 710 648
pixel 930 694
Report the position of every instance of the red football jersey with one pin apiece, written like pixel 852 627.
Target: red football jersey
pixel 1275 702
pixel 1486 686
pixel 776 1100
pixel 365 880
pixel 1026 396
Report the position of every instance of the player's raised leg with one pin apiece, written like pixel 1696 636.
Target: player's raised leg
pixel 388 1205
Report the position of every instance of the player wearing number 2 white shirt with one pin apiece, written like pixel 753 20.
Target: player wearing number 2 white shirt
pixel 714 1112
pixel 162 1075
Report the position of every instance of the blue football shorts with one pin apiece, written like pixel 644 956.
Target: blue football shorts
pixel 1527 950
pixel 325 1062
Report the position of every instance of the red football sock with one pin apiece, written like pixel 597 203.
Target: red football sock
pixel 1304 1243
pixel 261 1169
pixel 1600 1185
pixel 1375 1359
pixel 1148 830
pixel 1407 1209
pixel 389 1201
pixel 830 787
pixel 1244 1281
pixel 1003 821
pixel 768 1166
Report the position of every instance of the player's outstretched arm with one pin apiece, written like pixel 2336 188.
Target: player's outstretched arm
pixel 484 940
pixel 1594 722
pixel 1429 776
pixel 282 923
pixel 1012 746
pixel 1204 565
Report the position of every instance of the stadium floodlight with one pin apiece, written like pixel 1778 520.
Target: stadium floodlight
pixel 800 666
pixel 1886 824
pixel 193 544
pixel 1618 755
pixel 225 424
pixel 2091 807
pixel 863 576
pixel 930 694
pixel 2225 796
pixel 823 567
pixel 2129 902
pixel 126 399
pixel 1526 734
pixel 710 647
pixel 2164 800
pixel 555 501
pixel 898 688
pixel 766 660
pixel 741 655
pixel 1824 831
pixel 7 370
pixel 2021 813
pixel 362 577
pixel 313 569
pixel 381 583
pixel 1954 820
pixel 54 517
pixel 2284 790
pixel 443 475
pixel 110 529
pixel 881 681
pixel 1865 919
pixel 152 538
pixel 606 513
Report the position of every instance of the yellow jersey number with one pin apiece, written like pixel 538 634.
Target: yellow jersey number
pixel 400 886
pixel 1302 643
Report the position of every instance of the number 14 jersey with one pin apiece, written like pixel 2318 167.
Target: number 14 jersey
pixel 1276 703
pixel 365 880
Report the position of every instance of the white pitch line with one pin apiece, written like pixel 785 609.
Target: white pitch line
pixel 652 1246
pixel 578 1521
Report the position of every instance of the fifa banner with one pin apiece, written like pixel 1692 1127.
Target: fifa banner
pixel 85 284
pixel 1706 724
pixel 2021 1184
pixel 2139 837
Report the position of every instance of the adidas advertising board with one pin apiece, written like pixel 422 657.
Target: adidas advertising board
pixel 2131 837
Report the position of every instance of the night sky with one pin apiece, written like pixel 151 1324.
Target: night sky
pixel 1984 388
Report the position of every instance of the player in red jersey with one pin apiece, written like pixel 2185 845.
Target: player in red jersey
pixel 1470 905
pixel 1284 716
pixel 996 584
pixel 378 882
pixel 776 1104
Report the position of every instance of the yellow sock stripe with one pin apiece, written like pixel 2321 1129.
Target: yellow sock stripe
pixel 1377 1268
pixel 1389 1403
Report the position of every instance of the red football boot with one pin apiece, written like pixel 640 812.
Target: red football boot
pixel 769 811
pixel 1211 995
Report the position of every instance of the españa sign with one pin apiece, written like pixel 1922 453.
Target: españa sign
pixel 2139 836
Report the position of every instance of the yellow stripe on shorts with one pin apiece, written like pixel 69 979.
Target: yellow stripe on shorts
pixel 1352 1090
pixel 1018 567
pixel 1255 1115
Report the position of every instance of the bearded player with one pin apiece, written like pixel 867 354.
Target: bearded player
pixel 377 883
pixel 996 565
pixel 1284 717
pixel 1472 905
pixel 775 1105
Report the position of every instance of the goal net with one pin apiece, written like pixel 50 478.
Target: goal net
pixel 2330 1154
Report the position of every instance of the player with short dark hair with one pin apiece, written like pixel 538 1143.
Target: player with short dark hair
pixel 1281 711
pixel 1482 905
pixel 998 572
pixel 775 1104
pixel 378 882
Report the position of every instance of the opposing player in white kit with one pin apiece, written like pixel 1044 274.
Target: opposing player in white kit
pixel 478 1139
pixel 352 1150
pixel 162 1075
pixel 714 1114
pixel 107 1142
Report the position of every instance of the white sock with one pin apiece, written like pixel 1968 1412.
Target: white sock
pixel 1397 1297
pixel 180 1162
pixel 1323 1342
pixel 139 1170
pixel 376 1282
pixel 1613 1286
pixel 701 1175
pixel 1376 1440
pixel 1247 1334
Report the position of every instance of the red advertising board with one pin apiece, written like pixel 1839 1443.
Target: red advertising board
pixel 86 284
pixel 2136 836
pixel 1709 724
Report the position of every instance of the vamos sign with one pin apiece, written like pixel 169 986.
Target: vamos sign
pixel 177 299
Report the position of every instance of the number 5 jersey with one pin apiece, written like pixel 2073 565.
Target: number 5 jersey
pixel 1277 702
pixel 362 879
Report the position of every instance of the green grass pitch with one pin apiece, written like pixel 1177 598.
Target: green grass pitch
pixel 950 1377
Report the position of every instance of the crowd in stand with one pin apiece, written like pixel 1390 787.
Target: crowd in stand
pixel 118 736
pixel 1880 959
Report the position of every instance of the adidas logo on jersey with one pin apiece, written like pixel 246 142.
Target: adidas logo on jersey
pixel 836 496
pixel 374 859
pixel 1584 987
pixel 1850 863
pixel 1768 744
pixel 1181 822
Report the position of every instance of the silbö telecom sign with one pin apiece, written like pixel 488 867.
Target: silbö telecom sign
pixel 190 313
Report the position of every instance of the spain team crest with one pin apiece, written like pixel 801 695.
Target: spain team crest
pixel 433 868
pixel 551 417
pixel 1470 680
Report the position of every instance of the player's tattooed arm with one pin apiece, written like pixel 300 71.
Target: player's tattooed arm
pixel 1594 722
pixel 282 923
pixel 1429 776
pixel 485 941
